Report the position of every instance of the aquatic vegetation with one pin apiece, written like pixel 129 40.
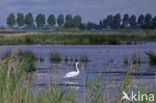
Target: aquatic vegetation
pixel 30 58
pixel 96 89
pixel 28 39
pixel 13 90
pixel 152 57
pixel 79 37
pixel 84 58
pixel 125 60
pixel 136 59
pixel 66 59
pixel 7 54
pixel 41 59
pixel 55 57
pixel 27 54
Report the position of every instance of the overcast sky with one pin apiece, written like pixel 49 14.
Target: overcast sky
pixel 90 10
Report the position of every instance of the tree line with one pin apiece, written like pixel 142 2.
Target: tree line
pixel 28 20
pixel 127 22
pixel 110 22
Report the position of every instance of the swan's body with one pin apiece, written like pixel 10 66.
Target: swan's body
pixel 74 73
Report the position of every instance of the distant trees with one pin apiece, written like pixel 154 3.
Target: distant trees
pixel 51 20
pixel 77 21
pixel 148 21
pixel 154 23
pixel 11 20
pixel 116 21
pixel 29 20
pixel 127 22
pixel 132 21
pixel 141 20
pixel 40 20
pixel 60 20
pixel 20 19
pixel 69 21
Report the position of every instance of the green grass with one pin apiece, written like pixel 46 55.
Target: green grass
pixel 14 90
pixel 80 37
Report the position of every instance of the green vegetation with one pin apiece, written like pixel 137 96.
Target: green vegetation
pixel 30 60
pixel 79 37
pixel 13 90
pixel 55 57
pixel 152 57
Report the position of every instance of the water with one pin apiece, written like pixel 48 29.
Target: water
pixel 104 59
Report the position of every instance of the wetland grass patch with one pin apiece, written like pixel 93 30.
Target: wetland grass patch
pixel 152 57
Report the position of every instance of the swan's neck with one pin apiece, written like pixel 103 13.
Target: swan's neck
pixel 77 68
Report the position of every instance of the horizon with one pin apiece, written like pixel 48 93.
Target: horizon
pixel 89 10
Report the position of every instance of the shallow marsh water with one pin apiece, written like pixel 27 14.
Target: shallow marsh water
pixel 104 59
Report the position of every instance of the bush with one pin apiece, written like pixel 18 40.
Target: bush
pixel 152 57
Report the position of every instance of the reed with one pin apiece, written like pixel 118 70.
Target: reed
pixel 55 57
pixel 14 90
pixel 152 57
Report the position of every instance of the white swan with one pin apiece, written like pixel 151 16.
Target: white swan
pixel 73 73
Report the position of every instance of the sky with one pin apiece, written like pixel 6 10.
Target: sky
pixel 90 10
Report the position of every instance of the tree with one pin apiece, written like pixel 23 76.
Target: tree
pixel 109 20
pixel 11 20
pixel 132 21
pixel 20 19
pixel 29 20
pixel 60 20
pixel 82 26
pixel 40 20
pixel 69 21
pixel 77 20
pixel 148 21
pixel 117 20
pixel 51 20
pixel 141 20
pixel 154 23
pixel 125 20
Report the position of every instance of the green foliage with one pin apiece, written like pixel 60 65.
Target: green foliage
pixel 125 20
pixel 96 89
pixel 11 20
pixel 77 20
pixel 51 20
pixel 55 57
pixel 60 20
pixel 148 20
pixel 29 19
pixel 40 20
pixel 141 20
pixel 28 39
pixel 14 90
pixel 152 57
pixel 69 21
pixel 30 59
pixel 117 20
pixel 20 19
pixel 132 21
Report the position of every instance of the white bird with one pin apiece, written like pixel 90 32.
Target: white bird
pixel 73 73
pixel 125 96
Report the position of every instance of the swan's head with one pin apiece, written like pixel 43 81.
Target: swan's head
pixel 77 63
